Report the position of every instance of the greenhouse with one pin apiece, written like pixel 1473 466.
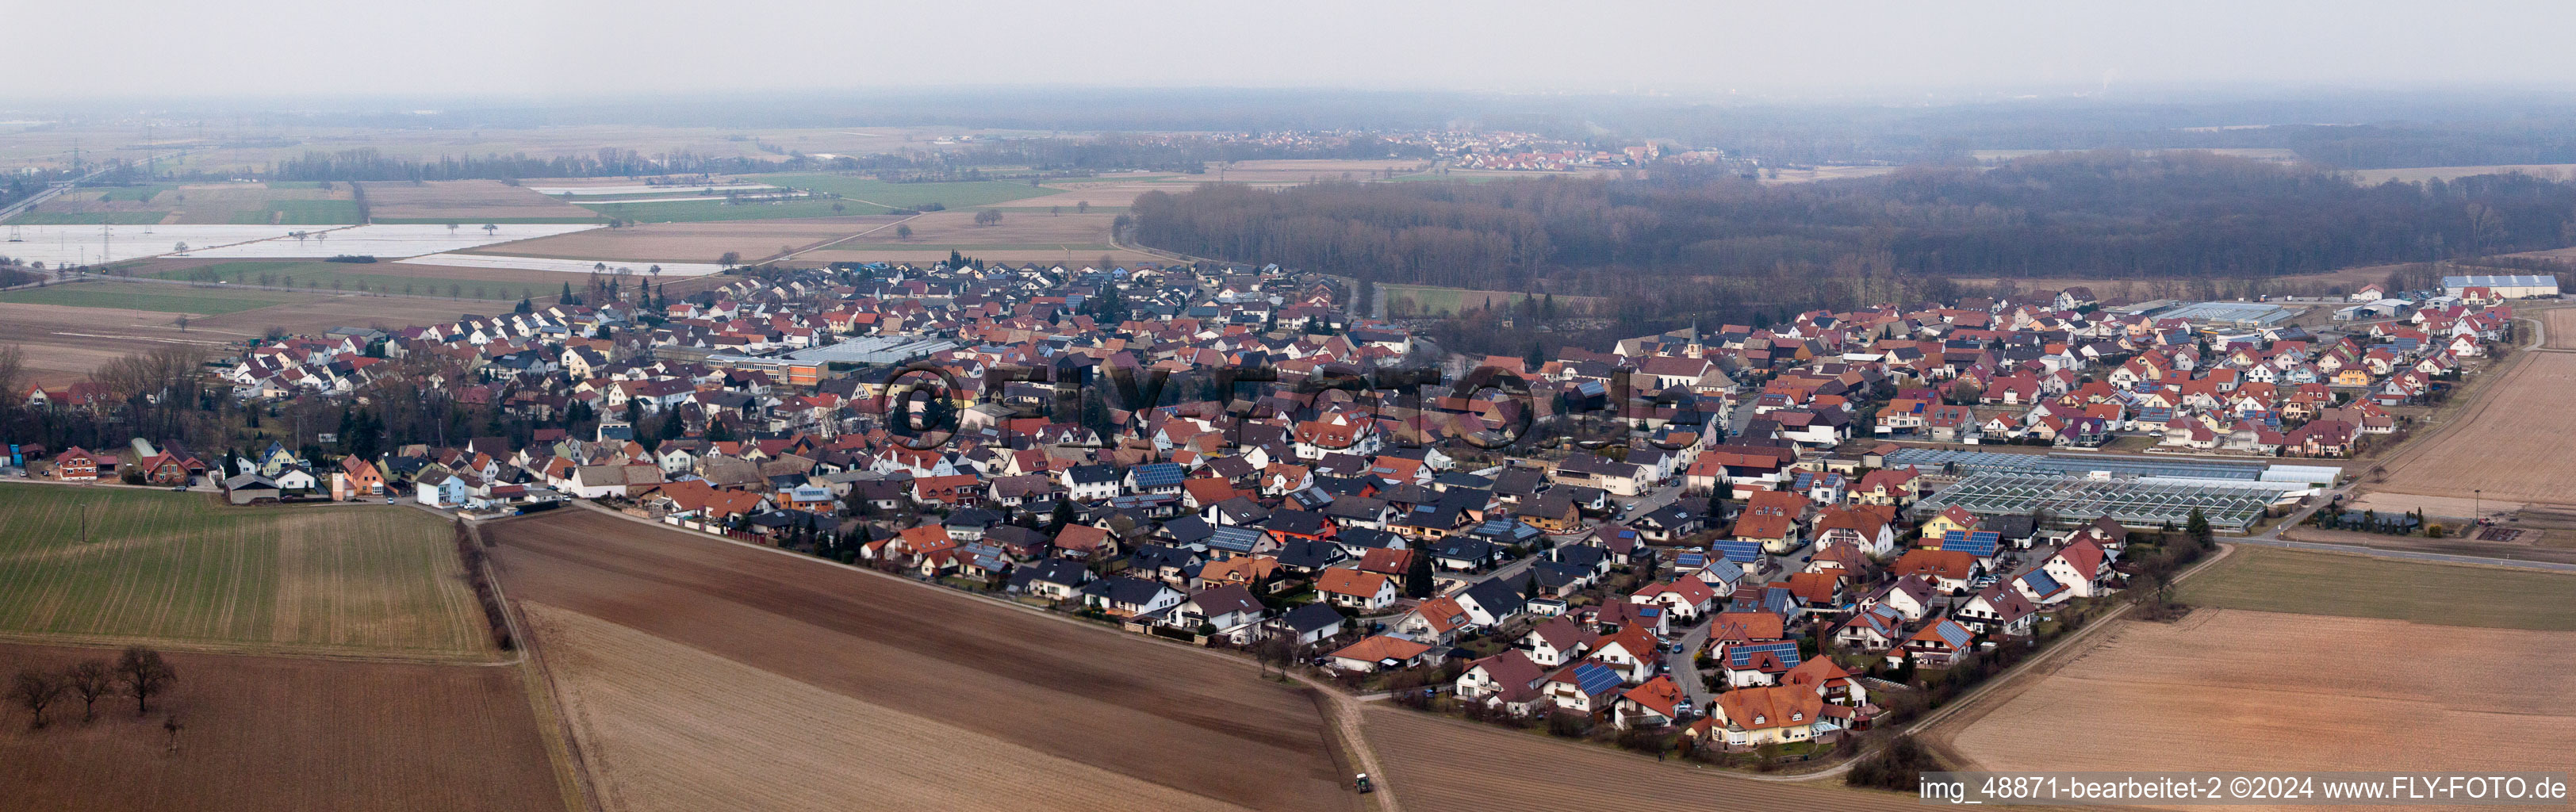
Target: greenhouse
pixel 2136 502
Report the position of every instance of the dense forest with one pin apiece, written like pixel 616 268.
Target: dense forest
pixel 1706 239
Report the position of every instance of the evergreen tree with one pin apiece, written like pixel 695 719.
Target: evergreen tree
pixel 2198 527
pixel 1417 575
pixel 1061 516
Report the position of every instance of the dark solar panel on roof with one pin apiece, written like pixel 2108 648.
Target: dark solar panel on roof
pixel 1740 552
pixel 1741 655
pixel 1595 678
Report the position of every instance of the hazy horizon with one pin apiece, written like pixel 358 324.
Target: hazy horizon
pixel 287 49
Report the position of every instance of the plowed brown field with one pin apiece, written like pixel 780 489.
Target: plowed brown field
pixel 1441 765
pixel 693 242
pixel 2562 328
pixel 2515 443
pixel 467 202
pixel 897 696
pixel 280 733
pixel 2259 691
pixel 64 344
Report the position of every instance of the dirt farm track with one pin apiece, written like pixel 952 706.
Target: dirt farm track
pixel 695 672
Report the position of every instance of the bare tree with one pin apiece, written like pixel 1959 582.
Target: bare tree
pixel 143 673
pixel 90 679
pixel 13 369
pixel 489 229
pixel 35 690
pixel 1082 207
pixel 903 232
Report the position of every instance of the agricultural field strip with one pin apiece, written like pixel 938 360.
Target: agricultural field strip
pixel 670 727
pixel 1444 765
pixel 638 189
pixel 354 580
pixel 1093 696
pixel 2515 443
pixel 390 736
pixel 2294 692
pixel 2315 583
pixel 387 241
pixel 553 265
pixel 159 298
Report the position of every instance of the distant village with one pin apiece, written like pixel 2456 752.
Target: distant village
pixel 1751 536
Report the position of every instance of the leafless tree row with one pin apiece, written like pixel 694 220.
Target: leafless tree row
pixel 139 673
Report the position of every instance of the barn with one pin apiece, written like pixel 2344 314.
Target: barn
pixel 2498 287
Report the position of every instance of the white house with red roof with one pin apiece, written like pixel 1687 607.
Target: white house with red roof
pixel 2082 567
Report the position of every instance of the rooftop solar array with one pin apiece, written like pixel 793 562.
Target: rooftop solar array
pixel 2039 581
pixel 1980 543
pixel 1740 655
pixel 1741 552
pixel 1158 475
pixel 2132 502
pixel 1595 678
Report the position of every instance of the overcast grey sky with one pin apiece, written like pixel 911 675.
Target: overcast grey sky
pixel 585 47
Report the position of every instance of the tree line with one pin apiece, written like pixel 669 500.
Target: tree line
pixel 1683 240
pixel 139 673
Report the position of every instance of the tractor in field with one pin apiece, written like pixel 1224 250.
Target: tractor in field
pixel 1365 786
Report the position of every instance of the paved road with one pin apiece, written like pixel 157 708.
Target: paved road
pixel 1684 666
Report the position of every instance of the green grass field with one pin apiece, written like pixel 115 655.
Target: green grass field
pixel 956 195
pixel 138 194
pixel 66 218
pixel 2274 580
pixel 179 567
pixel 163 298
pixel 321 276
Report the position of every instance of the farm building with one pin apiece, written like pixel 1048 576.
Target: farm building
pixel 2136 502
pixel 2505 286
